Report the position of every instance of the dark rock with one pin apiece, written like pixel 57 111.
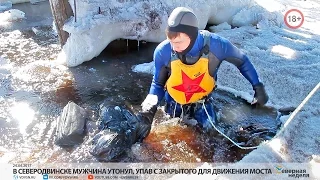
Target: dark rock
pixel 70 128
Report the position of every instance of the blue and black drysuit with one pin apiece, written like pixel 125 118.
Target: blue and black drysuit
pixel 218 49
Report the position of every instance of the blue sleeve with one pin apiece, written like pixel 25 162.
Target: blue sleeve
pixel 161 58
pixel 225 50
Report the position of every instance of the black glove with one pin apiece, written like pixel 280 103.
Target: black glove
pixel 260 95
pixel 145 119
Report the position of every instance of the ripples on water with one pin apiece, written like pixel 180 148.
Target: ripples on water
pixel 34 90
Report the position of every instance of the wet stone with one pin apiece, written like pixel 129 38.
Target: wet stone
pixel 70 128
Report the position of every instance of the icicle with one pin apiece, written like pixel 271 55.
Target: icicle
pixel 127 45
pixel 75 10
pixel 138 43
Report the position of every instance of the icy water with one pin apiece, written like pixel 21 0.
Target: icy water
pixel 34 90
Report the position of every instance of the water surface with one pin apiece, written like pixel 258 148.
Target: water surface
pixel 34 90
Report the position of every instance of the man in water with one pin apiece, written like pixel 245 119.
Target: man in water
pixel 186 66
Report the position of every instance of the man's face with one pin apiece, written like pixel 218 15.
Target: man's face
pixel 180 43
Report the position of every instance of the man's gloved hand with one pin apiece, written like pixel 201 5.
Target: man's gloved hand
pixel 260 95
pixel 150 101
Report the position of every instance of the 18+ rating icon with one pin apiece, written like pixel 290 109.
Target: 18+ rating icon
pixel 294 18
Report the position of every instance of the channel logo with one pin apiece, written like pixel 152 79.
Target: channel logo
pixel 278 169
pixel 90 176
pixel 45 177
pixel 15 177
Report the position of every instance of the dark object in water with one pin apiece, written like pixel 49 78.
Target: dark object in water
pixel 108 144
pixel 253 135
pixel 70 128
pixel 118 132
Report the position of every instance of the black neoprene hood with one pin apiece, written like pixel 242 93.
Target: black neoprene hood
pixel 185 21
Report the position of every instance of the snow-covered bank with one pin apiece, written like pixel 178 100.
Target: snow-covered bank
pixel 21 1
pixel 11 15
pixel 15 1
pixel 100 22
